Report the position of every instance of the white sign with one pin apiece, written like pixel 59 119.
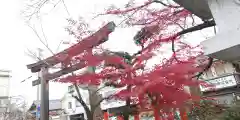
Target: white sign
pixel 220 83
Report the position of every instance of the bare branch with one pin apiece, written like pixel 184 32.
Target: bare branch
pixel 44 36
pixel 59 45
pixel 40 39
pixel 65 7
pixel 33 55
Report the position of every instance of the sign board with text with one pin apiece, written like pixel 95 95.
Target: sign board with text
pixel 36 82
pixel 219 83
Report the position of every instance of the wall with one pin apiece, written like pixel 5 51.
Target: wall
pixel 225 14
pixel 111 103
pixel 4 83
pixel 222 95
pixel 76 107
pixel 225 45
pixel 221 75
pixel 218 69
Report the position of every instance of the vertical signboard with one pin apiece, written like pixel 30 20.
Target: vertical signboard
pixel 38 112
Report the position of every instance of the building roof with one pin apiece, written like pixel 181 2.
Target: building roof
pixel 198 7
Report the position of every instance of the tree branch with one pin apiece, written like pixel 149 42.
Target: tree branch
pixel 95 92
pixel 80 99
pixel 174 52
pixel 65 7
pixel 206 24
pixel 40 39
pixel 164 4
pixel 205 69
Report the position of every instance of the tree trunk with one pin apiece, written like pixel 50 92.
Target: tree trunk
pixel 90 116
pixel 80 100
pixel 94 99
pixel 126 116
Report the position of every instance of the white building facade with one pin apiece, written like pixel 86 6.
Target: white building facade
pixel 73 110
pixel 5 76
pixel 5 83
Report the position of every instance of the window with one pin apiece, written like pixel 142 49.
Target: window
pixel 70 88
pixel 69 105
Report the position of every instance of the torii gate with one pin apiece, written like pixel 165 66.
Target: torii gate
pixel 42 66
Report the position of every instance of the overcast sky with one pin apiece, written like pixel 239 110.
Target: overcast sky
pixel 16 36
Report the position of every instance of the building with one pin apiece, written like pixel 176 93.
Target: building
pixel 72 109
pixel 225 45
pixel 5 76
pixel 5 82
pixel 225 80
pixel 111 103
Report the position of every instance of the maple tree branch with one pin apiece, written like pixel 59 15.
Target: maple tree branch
pixel 206 24
pixel 157 1
pixel 210 62
pixel 80 99
pixel 164 4
pixel 95 92
pixel 112 84
pixel 173 50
